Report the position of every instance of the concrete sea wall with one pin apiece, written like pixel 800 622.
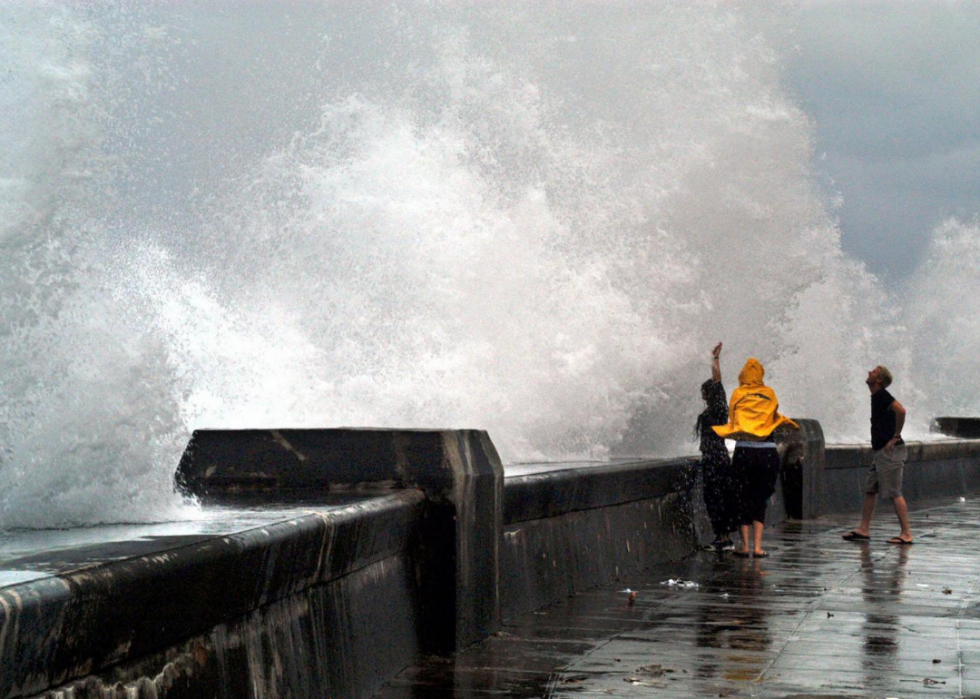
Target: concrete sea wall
pixel 933 469
pixel 569 530
pixel 269 612
pixel 437 549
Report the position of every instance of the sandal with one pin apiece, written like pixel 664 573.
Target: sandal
pixel 856 536
pixel 764 554
pixel 900 541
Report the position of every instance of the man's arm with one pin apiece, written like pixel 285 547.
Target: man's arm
pixel 899 411
pixel 715 363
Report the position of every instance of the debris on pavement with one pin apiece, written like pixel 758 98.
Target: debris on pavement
pixel 690 584
pixel 656 670
pixel 928 681
pixel 637 682
pixel 631 595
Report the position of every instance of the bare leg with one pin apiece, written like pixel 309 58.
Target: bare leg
pixel 867 512
pixel 757 528
pixel 902 510
pixel 744 531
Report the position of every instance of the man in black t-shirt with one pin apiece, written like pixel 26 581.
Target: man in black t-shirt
pixel 885 476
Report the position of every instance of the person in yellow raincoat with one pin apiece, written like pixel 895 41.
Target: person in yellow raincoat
pixel 753 417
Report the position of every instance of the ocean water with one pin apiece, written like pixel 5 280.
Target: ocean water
pixel 535 220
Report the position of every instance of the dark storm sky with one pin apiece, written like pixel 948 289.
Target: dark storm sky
pixel 894 91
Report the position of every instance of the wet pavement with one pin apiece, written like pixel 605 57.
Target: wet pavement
pixel 821 617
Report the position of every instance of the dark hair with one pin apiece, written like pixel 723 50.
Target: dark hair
pixel 714 396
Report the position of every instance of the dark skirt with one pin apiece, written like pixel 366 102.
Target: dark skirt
pixel 720 497
pixel 755 470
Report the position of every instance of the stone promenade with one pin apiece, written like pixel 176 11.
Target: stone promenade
pixel 820 617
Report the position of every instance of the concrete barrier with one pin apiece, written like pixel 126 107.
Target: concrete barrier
pixel 335 602
pixel 572 529
pixel 569 530
pixel 933 469
pixel 959 427
pixel 802 453
pixel 322 605
pixel 458 470
pixel 326 605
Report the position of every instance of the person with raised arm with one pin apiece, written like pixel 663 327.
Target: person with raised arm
pixel 716 465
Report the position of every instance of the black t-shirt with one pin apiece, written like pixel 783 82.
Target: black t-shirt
pixel 882 419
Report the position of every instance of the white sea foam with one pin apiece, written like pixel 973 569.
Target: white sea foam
pixel 532 221
pixel 943 326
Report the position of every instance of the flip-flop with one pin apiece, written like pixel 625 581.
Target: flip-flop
pixel 855 536
pixel 897 540
pixel 764 554
pixel 741 554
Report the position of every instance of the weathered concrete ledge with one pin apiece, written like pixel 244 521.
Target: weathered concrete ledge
pixel 569 530
pixel 190 620
pixel 947 467
pixel 959 427
pixel 803 456
pixel 459 472
pixel 554 493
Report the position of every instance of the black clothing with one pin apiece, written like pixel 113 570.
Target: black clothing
pixel 719 494
pixel 716 466
pixel 756 470
pixel 716 413
pixel 882 418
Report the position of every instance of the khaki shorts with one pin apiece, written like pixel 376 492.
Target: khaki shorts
pixel 885 475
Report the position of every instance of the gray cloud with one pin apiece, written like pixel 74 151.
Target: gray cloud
pixel 894 93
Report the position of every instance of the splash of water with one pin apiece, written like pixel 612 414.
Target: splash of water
pixel 533 221
pixel 942 323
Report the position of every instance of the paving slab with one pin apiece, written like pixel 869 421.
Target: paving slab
pixel 820 618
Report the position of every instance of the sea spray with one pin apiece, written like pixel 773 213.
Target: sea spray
pixel 535 221
pixel 942 327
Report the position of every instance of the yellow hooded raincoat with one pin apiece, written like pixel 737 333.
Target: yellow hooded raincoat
pixel 753 410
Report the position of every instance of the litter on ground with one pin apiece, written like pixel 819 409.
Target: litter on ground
pixel 680 583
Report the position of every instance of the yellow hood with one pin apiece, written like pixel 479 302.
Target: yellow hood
pixel 754 409
pixel 752 373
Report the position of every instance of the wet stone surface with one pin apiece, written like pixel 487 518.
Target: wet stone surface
pixel 821 617
pixel 34 554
